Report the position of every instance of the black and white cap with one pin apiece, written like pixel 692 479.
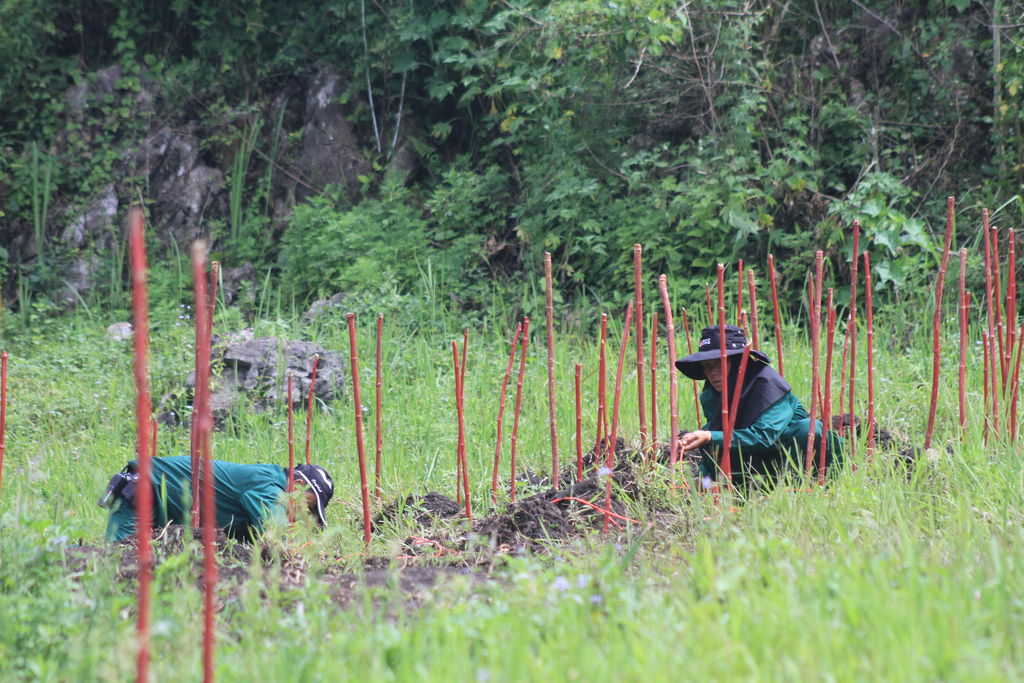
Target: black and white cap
pixel 320 483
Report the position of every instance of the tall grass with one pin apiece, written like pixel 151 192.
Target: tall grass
pixel 888 574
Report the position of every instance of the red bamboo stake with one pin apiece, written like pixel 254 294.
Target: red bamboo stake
pixel 826 415
pixel 552 418
pixel 696 396
pixel 673 399
pixel 937 319
pixel 654 385
pixel 380 384
pixel 203 429
pixel 853 344
pixel 711 315
pixel 610 457
pixel 815 285
pixel 988 275
pixel 868 287
pixel 638 307
pixel 290 485
pixel 501 412
pixel 519 402
pixel 463 470
pixel 199 280
pixel 963 342
pixel 602 372
pixel 1010 319
pixel 358 401
pixel 726 461
pixel 462 429
pixel 997 304
pixel 579 424
pixel 985 364
pixel 746 330
pixel 775 306
pixel 144 510
pixel 994 378
pixel 754 332
pixel 739 294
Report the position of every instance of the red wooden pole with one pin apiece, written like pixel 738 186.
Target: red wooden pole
pixel 204 427
pixel 689 346
pixel 638 307
pixel 868 287
pixel 740 376
pixel 754 331
pixel 501 412
pixel 739 294
pixel 1010 319
pixel 985 364
pixel 144 501
pixel 654 384
pixel 309 416
pixel 552 418
pixel 937 319
pixel 519 402
pixel 290 482
pixel 579 424
pixel 997 341
pixel 358 401
pixel 963 342
pixel 853 344
pixel 826 415
pixel 726 462
pixel 673 397
pixel 815 346
pixel 775 306
pixel 610 457
pixel 462 430
pixel 463 469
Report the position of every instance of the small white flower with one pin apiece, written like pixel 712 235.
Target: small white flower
pixel 707 483
pixel 560 584
pixel 582 580
pixel 604 472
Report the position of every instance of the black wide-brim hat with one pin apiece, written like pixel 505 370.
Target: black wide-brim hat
pixel 709 348
pixel 320 483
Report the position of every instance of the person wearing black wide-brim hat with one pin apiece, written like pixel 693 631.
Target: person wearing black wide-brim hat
pixel 771 427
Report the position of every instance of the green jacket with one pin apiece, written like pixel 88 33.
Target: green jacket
pixel 247 495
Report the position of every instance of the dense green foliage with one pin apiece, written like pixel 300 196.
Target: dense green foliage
pixel 708 133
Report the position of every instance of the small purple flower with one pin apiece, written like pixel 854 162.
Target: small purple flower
pixel 560 584
pixel 595 599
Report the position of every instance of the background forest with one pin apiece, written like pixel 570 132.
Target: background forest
pixel 374 148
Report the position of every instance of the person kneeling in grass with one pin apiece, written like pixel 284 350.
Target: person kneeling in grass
pixel 247 495
pixel 771 427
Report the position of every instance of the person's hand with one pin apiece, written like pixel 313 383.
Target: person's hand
pixel 692 440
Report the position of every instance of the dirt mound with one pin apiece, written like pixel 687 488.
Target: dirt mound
pixel 424 511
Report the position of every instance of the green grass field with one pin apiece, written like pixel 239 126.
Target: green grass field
pixel 882 576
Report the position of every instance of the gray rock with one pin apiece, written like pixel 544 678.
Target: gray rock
pixel 120 331
pixel 253 374
pixel 95 223
pixel 330 149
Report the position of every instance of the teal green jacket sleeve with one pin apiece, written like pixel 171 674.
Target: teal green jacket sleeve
pixel 766 430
